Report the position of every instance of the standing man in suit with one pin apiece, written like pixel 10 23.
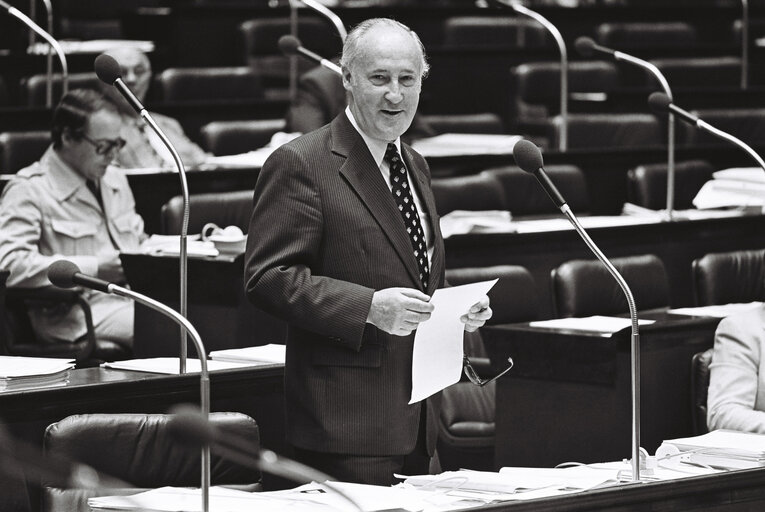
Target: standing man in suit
pixel 344 244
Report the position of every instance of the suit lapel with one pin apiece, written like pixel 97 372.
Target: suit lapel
pixel 365 178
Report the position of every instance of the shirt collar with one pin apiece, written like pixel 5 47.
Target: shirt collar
pixel 66 178
pixel 376 146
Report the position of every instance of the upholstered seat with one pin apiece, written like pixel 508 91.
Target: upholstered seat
pixel 493 31
pixel 729 277
pixel 139 450
pixel 470 192
pixel 631 34
pixel 697 72
pixel 234 137
pixel 699 390
pixel 231 83
pixel 583 288
pixel 482 122
pixel 223 208
pixel 748 124
pixel 647 184
pixel 20 149
pixel 35 86
pixel 606 131
pixel 524 196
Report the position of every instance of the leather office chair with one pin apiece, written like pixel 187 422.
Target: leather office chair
pixel 466 425
pixel 536 96
pixel 493 31
pixel 261 46
pixel 598 130
pixel 748 124
pixel 665 34
pixel 20 149
pixel 223 208
pixel 699 390
pixel 35 86
pixel 20 340
pixel 189 84
pixel 234 137
pixel 697 72
pixel 470 192
pixel 729 277
pixel 483 122
pixel 582 288
pixel 524 196
pixel 138 450
pixel 647 184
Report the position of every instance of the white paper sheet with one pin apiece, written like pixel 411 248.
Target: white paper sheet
pixel 717 310
pixel 171 365
pixel 597 324
pixel 438 342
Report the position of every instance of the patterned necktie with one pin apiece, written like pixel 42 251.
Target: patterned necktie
pixel 405 202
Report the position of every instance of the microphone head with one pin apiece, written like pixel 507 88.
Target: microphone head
pixel 527 156
pixel 659 102
pixel 585 46
pixel 289 44
pixel 107 69
pixel 61 273
pixel 189 427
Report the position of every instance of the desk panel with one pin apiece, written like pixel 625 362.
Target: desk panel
pixel 568 398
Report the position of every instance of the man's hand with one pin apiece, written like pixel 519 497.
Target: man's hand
pixel 399 311
pixel 477 315
pixel 110 267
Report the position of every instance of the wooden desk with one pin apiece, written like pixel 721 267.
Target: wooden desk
pixel 217 306
pixel 256 391
pixel 677 244
pixel 568 397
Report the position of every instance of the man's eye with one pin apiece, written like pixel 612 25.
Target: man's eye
pixel 377 79
pixel 408 81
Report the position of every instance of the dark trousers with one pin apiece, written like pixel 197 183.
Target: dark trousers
pixel 374 470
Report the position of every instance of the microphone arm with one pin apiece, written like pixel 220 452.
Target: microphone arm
pixel 52 42
pixel 204 376
pixel 703 125
pixel 744 44
pixel 553 30
pixel 529 158
pixel 331 16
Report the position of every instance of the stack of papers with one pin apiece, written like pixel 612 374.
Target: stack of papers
pixel 604 325
pixel 718 310
pixel 170 365
pixel 264 354
pixel 736 187
pixel 460 222
pixel 460 144
pixel 726 449
pixel 171 245
pixel 18 372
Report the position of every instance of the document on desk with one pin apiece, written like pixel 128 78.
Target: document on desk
pixel 438 342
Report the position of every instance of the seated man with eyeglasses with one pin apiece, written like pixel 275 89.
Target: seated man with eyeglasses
pixel 72 204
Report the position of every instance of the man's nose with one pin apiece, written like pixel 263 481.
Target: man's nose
pixel 394 93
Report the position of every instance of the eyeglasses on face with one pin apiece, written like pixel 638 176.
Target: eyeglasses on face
pixel 105 146
pixel 473 376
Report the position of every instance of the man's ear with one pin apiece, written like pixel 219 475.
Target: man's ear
pixel 67 138
pixel 346 78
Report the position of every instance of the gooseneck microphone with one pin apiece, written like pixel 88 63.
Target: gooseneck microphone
pixel 51 41
pixel 65 274
pixel 662 104
pixel 331 16
pixel 193 429
pixel 109 72
pixel 516 6
pixel 290 45
pixel 529 158
pixel 586 48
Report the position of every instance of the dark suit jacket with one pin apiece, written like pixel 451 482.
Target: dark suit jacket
pixel 325 234
pixel 321 97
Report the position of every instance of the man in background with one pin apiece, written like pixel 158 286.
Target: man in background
pixel 73 205
pixel 344 244
pixel 144 149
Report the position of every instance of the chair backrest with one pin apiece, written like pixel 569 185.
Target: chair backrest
pixel 524 196
pixel 493 31
pixel 585 287
pixel 231 83
pixel 261 45
pixel 697 72
pixel 537 84
pixel 234 137
pixel 470 192
pixel 729 277
pixel 748 124
pixel 483 122
pixel 232 208
pixel 513 298
pixel 647 184
pixel 597 130
pixel 20 149
pixel 666 34
pixel 140 450
pixel 699 390
pixel 35 86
